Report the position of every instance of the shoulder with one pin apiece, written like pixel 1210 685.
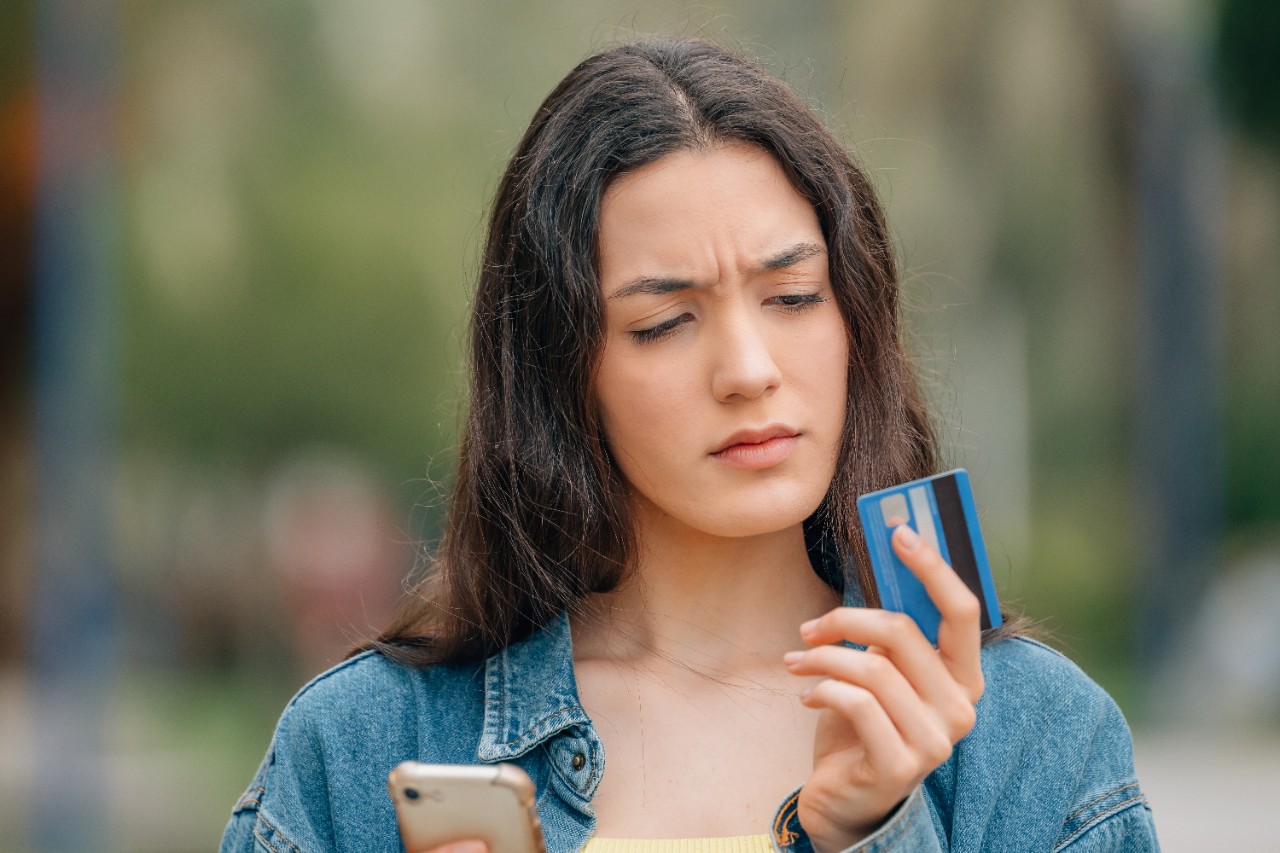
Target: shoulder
pixel 1030 686
pixel 1049 761
pixel 322 783
pixel 370 692
pixel 1027 661
pixel 352 679
pixel 1027 656
pixel 369 705
pixel 1037 696
pixel 367 685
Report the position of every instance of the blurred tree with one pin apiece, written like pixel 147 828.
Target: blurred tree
pixel 17 217
pixel 289 282
pixel 1248 65
pixel 74 615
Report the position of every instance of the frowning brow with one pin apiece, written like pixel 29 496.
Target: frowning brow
pixel 652 285
pixel 661 284
pixel 792 256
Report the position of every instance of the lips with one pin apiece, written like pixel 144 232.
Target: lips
pixel 758 448
pixel 757 436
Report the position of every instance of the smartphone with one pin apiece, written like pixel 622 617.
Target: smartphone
pixel 439 803
pixel 942 510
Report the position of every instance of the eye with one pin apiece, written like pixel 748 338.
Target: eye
pixel 662 330
pixel 797 302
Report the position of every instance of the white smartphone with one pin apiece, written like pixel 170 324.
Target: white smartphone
pixel 439 803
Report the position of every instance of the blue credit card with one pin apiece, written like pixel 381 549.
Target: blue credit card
pixel 942 511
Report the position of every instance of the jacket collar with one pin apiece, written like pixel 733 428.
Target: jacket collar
pixel 530 693
pixel 853 596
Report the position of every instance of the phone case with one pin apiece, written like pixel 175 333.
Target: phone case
pixel 439 803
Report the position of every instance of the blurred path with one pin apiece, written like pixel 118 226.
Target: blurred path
pixel 1218 791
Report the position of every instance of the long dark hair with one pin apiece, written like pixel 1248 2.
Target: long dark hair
pixel 538 517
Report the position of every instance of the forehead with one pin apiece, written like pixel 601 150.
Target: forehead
pixel 731 204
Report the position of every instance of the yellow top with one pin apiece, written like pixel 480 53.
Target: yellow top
pixel 731 844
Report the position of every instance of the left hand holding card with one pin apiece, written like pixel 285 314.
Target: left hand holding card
pixel 890 711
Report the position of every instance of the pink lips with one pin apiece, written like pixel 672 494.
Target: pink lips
pixel 760 448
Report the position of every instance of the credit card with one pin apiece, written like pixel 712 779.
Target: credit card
pixel 942 511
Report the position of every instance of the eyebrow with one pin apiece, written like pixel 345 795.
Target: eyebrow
pixel 649 284
pixel 788 257
pixel 792 256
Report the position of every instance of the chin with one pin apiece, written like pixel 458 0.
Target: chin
pixel 738 518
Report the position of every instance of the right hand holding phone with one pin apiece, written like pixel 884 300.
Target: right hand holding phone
pixel 891 714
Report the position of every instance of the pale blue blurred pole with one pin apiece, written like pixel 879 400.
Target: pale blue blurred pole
pixel 1180 175
pixel 73 641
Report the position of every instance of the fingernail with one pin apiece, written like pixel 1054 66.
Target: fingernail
pixel 792 658
pixel 808 627
pixel 908 539
pixel 464 847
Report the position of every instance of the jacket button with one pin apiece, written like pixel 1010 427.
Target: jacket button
pixel 578 760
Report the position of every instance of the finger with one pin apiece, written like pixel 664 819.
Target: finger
pixel 930 730
pixel 946 589
pixel 887 755
pixel 960 631
pixel 898 637
pixel 468 846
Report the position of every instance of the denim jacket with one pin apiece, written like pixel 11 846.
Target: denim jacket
pixel 1047 766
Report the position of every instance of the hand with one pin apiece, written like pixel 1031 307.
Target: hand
pixel 892 713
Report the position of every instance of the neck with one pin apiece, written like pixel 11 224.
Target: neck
pixel 721 605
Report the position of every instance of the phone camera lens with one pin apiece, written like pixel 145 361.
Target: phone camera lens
pixel 411 793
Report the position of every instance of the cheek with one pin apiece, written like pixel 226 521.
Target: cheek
pixel 824 364
pixel 634 411
pixel 651 415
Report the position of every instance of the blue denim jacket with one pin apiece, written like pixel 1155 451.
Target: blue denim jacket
pixel 1048 765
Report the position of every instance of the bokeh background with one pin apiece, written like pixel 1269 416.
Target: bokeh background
pixel 237 242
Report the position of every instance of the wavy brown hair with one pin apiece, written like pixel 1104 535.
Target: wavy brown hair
pixel 538 518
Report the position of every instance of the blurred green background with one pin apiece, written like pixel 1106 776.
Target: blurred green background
pixel 288 202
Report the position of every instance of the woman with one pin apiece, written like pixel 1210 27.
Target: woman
pixel 686 365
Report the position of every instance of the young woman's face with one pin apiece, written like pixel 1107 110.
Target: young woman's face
pixel 722 383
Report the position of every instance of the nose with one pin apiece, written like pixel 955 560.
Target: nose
pixel 743 363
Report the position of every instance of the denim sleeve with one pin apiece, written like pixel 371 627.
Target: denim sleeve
pixel 322 785
pixel 249 831
pixel 288 788
pixel 238 836
pixel 1047 766
pixel 1121 822
pixel 909 828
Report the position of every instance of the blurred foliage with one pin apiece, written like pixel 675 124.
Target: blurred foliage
pixel 17 251
pixel 15 41
pixel 1248 65
pixel 296 278
pixel 167 724
pixel 305 188
pixel 17 187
